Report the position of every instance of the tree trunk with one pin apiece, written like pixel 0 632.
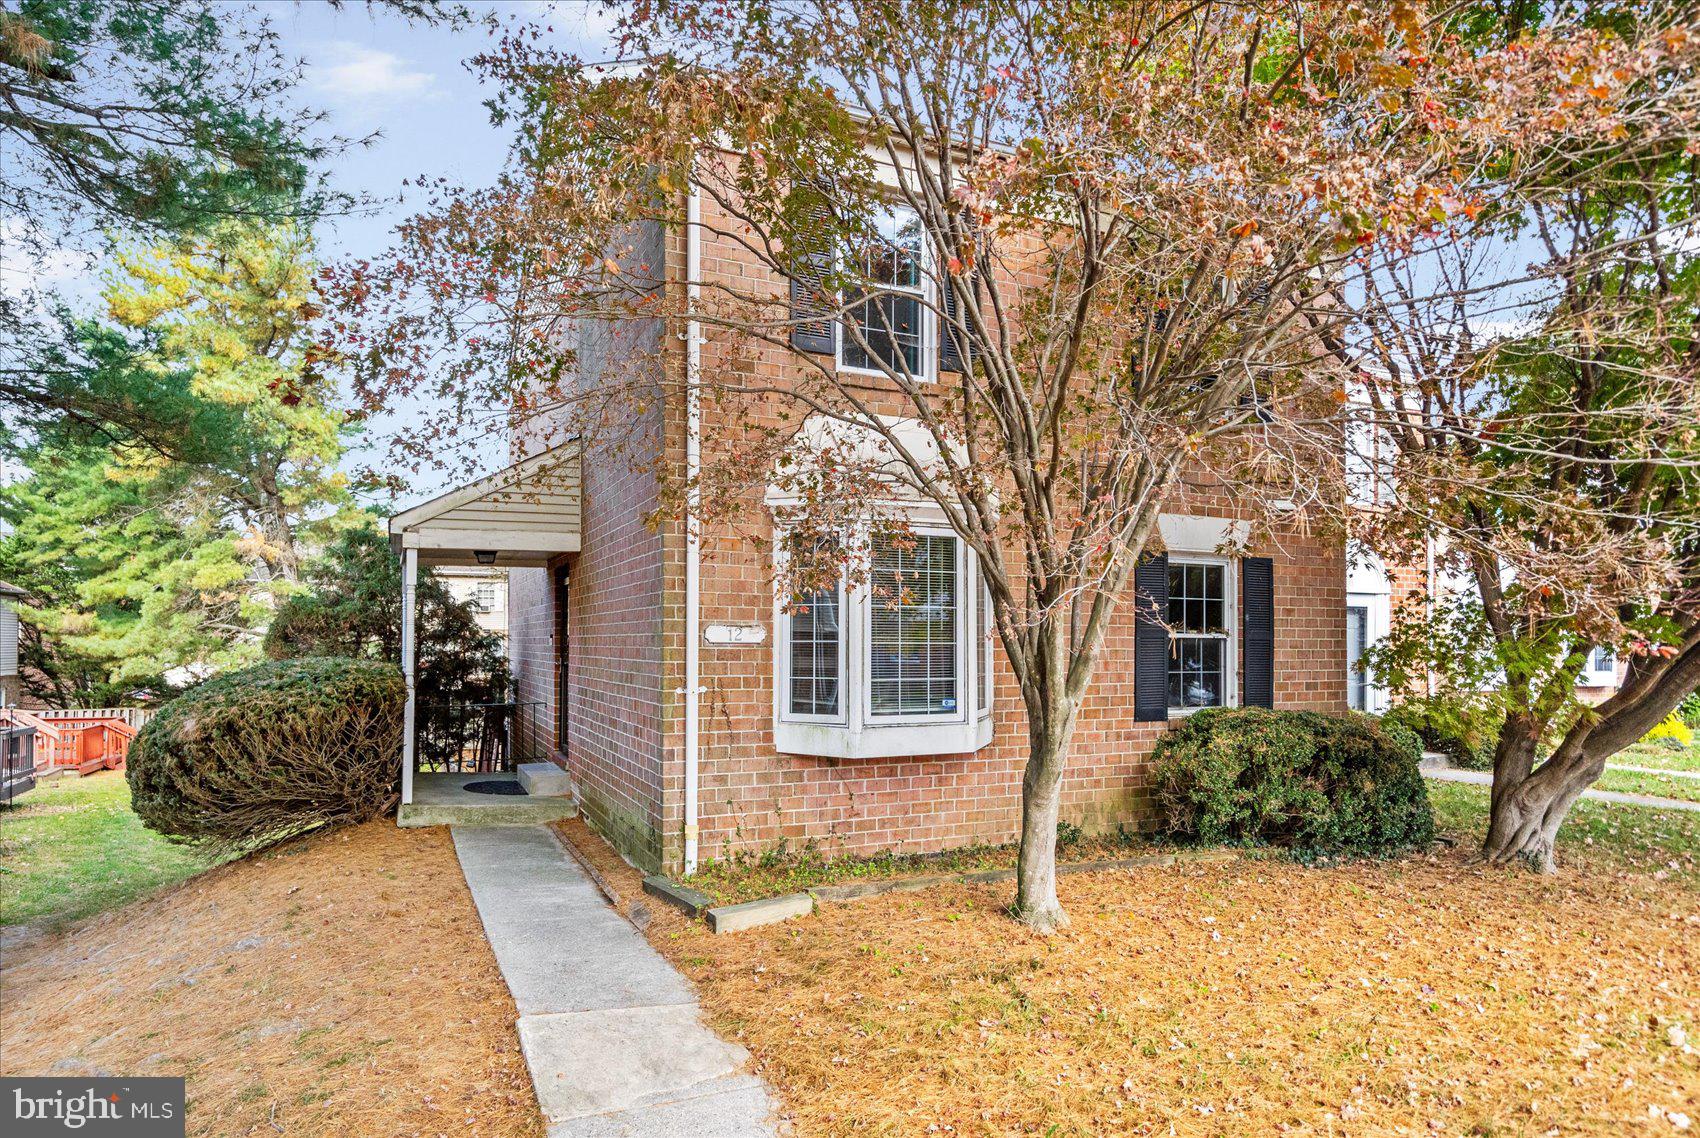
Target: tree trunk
pixel 1041 797
pixel 1530 803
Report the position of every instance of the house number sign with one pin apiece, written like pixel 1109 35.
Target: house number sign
pixel 734 634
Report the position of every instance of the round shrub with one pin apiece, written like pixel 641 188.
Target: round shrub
pixel 1316 784
pixel 257 755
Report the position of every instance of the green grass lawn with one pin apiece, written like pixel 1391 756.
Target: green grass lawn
pixel 72 847
pixel 1660 755
pixel 1596 835
pixel 1663 786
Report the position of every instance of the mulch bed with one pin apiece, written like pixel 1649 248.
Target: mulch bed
pixel 1421 996
pixel 338 985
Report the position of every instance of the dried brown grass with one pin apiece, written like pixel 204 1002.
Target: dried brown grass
pixel 1422 996
pixel 340 984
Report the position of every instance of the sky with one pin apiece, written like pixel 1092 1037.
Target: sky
pixel 372 71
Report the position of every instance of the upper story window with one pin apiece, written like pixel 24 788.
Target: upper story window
pixel 885 328
pixel 1201 646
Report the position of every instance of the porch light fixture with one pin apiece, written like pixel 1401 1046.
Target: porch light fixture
pixel 485 556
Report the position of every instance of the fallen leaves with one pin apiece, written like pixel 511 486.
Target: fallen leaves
pixel 1415 996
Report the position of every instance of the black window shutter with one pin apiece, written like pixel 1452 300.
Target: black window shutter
pixel 952 355
pixel 1257 588
pixel 1151 639
pixel 809 271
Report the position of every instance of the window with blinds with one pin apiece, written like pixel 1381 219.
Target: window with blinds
pixel 815 655
pixel 912 620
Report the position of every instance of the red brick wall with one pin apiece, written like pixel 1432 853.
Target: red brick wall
pixel 531 657
pixel 752 797
pixel 626 670
pixel 617 690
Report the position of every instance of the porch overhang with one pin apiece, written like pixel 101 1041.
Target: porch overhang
pixel 524 516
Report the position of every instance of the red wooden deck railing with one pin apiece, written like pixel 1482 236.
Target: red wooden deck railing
pixel 86 741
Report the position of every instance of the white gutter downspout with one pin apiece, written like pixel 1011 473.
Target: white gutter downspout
pixel 693 500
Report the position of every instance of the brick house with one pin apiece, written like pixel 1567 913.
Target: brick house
pixel 698 719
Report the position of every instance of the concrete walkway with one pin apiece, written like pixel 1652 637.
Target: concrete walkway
pixel 611 1032
pixel 1484 778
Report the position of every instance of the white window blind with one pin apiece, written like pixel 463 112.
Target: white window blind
pixel 815 655
pixel 912 640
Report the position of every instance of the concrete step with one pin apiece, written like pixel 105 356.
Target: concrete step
pixel 442 800
pixel 545 780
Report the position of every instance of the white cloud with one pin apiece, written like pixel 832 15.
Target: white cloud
pixel 24 274
pixel 353 73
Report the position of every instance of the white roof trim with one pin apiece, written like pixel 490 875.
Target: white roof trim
pixel 501 480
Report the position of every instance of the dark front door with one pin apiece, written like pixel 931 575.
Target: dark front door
pixel 561 626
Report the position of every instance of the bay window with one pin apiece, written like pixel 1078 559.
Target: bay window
pixel 897 665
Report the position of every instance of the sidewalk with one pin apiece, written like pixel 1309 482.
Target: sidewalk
pixel 1483 778
pixel 611 1031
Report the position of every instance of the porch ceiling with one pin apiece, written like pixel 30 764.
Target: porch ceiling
pixel 527 515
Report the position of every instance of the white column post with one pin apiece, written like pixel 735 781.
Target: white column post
pixel 409 634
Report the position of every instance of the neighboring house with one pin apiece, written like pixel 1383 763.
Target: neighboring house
pixel 11 685
pixel 853 725
pixel 1376 591
pixel 484 590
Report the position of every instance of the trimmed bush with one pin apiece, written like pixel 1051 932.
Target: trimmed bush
pixel 258 755
pixel 1316 784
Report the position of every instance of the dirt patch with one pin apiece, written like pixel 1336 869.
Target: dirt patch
pixel 1422 996
pixel 338 985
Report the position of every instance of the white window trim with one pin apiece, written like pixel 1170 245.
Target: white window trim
pixel 928 371
pixel 1230 638
pixel 857 733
